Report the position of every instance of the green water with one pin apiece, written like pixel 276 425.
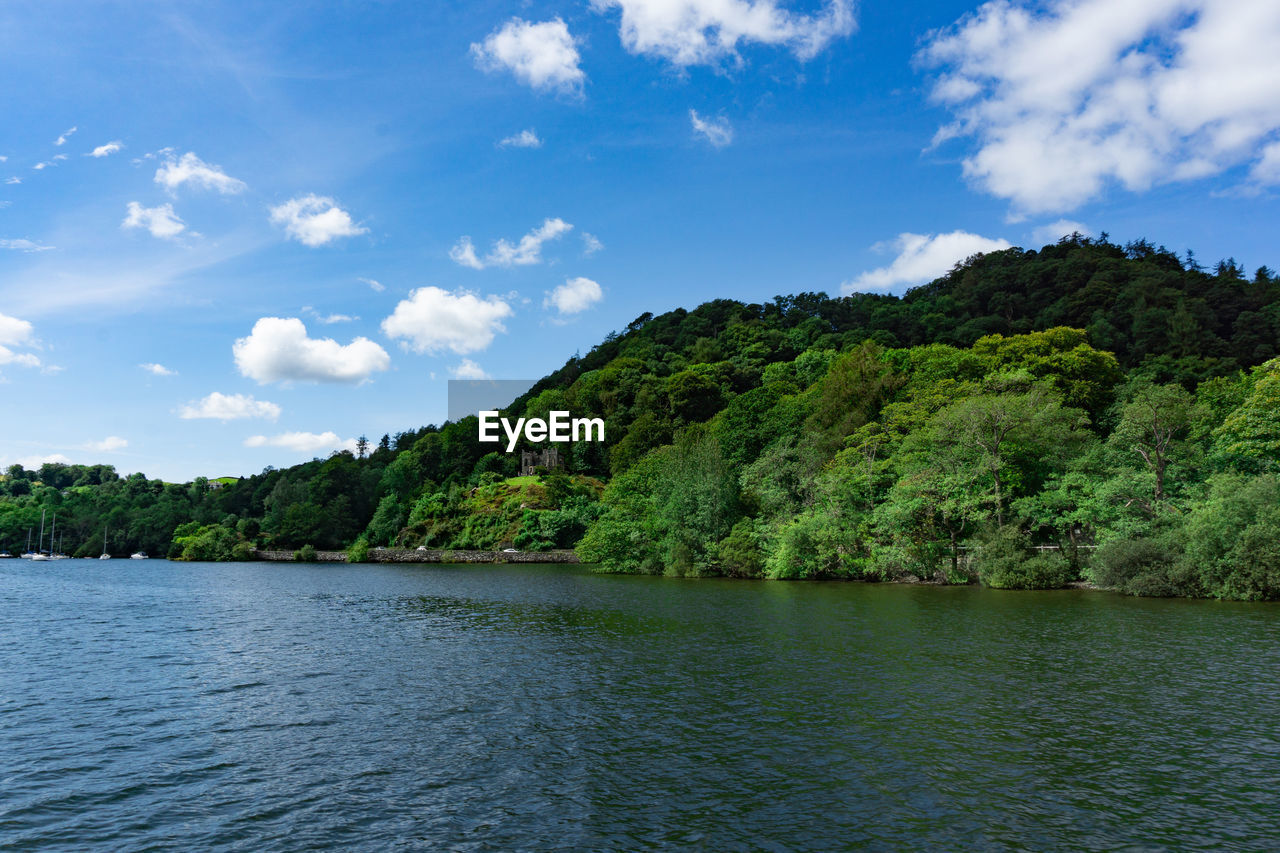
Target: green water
pixel 283 707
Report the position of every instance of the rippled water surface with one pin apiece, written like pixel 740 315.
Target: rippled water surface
pixel 280 707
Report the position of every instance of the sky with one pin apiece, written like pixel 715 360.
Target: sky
pixel 241 235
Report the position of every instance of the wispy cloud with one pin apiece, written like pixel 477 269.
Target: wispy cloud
pixel 191 170
pixel 161 221
pixel 374 285
pixel 62 140
pixel 591 244
pixel 22 244
pixel 158 369
pixel 506 254
pixel 107 149
pixel 110 444
pixel 716 131
pixel 303 442
pixel 922 258
pixel 523 139
pixel 468 369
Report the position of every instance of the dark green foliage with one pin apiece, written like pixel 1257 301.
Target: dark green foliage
pixel 1005 559
pixel 305 554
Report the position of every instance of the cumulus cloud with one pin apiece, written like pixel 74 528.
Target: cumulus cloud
pixel 314 220
pixel 106 150
pixel 33 463
pixel 158 369
pixel 374 285
pixel 303 442
pixel 278 350
pixel 16 333
pixel 190 169
pixel 468 369
pixel 574 296
pixel 22 244
pixel 922 258
pixel 161 221
pixel 709 32
pixel 716 131
pixel 1065 99
pixel 523 139
pixel 432 320
pixel 109 444
pixel 507 254
pixel 62 140
pixel 539 55
pixel 229 407
pixel 1055 231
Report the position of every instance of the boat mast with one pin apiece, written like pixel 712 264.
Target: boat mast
pixel 40 542
pixel 52 531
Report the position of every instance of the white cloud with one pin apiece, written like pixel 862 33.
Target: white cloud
pixel 278 350
pixel 24 245
pixel 109 444
pixel 62 140
pixel 328 319
pixel 106 150
pixel 16 333
pixel 33 463
pixel 468 369
pixel 1055 231
pixel 1067 98
pixel 922 258
pixel 431 320
pixel 1267 169
pixel 574 296
pixel 160 221
pixel 158 369
pixel 229 407
pixel 591 244
pixel 523 139
pixel 303 442
pixel 374 285
pixel 13 180
pixel 506 254
pixel 540 55
pixel 717 131
pixel 190 169
pixel 709 32
pixel 315 220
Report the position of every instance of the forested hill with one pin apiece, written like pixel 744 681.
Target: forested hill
pixel 1140 302
pixel 1086 394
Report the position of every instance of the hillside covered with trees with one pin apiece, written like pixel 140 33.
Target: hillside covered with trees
pixel 1085 411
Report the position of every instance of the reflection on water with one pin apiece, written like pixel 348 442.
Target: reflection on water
pixel 274 707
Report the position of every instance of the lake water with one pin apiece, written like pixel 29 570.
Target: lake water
pixel 280 707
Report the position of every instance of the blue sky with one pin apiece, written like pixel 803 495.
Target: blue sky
pixel 236 235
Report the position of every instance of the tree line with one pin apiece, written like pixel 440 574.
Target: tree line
pixel 1087 411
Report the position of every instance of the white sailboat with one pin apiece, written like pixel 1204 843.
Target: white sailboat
pixel 105 555
pixel 39 554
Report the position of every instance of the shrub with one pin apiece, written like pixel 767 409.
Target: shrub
pixel 359 551
pixel 305 554
pixel 1006 560
pixel 1137 566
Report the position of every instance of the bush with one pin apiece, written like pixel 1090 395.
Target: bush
pixel 305 554
pixel 359 551
pixel 1137 566
pixel 1006 560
